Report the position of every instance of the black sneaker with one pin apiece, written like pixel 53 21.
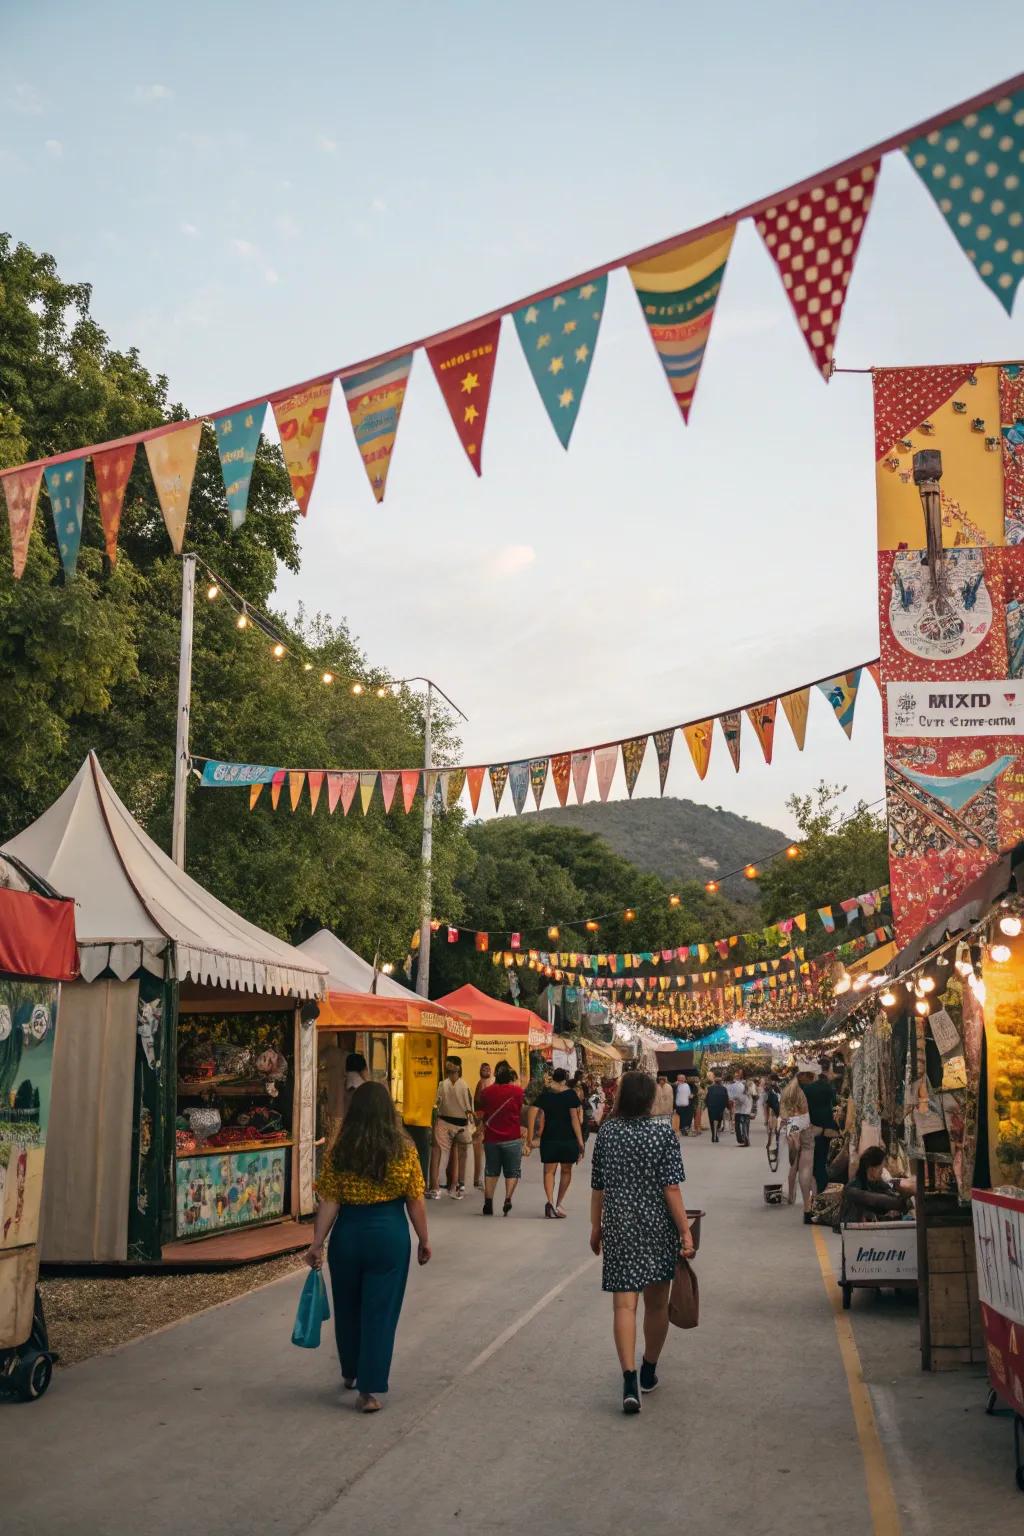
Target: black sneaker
pixel 648 1376
pixel 630 1393
pixel 488 1209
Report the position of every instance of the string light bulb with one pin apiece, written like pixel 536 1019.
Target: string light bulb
pixel 278 650
pixel 242 622
pixel 381 693
pixel 212 591
pixel 922 1006
pixel 792 852
pixel 674 900
pixel 1000 953
pixel 553 931
pixel 843 984
pixel 963 967
pixel 328 678
pixel 711 886
pixel 888 998
pixel 357 689
pixel 1010 926
pixel 926 985
pixel 750 873
pixel 307 666
pixel 628 915
pixel 591 925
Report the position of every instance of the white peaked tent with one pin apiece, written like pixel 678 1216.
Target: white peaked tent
pixel 131 901
pixel 349 972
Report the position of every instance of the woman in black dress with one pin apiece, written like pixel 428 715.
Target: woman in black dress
pixel 639 1222
pixel 561 1137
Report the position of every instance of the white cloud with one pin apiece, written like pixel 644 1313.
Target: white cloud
pixel 511 560
pixel 146 95
pixel 244 248
pixel 327 145
pixel 54 148
pixel 25 98
pixel 190 230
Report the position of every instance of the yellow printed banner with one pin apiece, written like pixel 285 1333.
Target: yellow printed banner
pixel 172 463
pixel 301 419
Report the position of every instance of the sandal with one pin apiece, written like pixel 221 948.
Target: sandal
pixel 549 1210
pixel 367 1404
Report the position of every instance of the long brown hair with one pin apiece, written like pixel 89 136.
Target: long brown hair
pixel 371 1138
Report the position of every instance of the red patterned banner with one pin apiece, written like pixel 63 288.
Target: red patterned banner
pixel 113 471
pixel 21 489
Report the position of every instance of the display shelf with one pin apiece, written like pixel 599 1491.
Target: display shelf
pixel 236 1146
pixel 225 1090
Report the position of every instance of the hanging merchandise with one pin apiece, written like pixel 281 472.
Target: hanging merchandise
pixel 967 156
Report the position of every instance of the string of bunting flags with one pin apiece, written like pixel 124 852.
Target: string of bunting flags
pixel 564 769
pixel 969 158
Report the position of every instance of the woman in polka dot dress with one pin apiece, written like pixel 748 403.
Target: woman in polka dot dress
pixel 639 1223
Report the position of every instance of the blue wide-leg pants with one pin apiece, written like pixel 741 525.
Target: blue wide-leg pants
pixel 368 1254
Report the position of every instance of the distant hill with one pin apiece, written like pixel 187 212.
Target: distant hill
pixel 677 839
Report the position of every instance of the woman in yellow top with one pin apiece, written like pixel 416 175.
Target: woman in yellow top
pixel 370 1182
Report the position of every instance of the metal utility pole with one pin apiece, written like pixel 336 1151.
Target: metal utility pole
pixel 181 750
pixel 427 849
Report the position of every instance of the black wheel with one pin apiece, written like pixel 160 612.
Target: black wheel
pixel 1018 1426
pixel 990 1406
pixel 847 1297
pixel 33 1376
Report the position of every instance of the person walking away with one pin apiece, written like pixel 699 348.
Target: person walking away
pixel 589 1113
pixel 684 1105
pixel 561 1138
pixel 798 1133
pixel 821 1096
pixel 370 1191
pixel 664 1104
pixel 739 1098
pixel 483 1081
pixel 717 1102
pixel 453 1126
pixel 638 1223
pixel 596 1104
pixel 698 1105
pixel 501 1110
pixel 771 1104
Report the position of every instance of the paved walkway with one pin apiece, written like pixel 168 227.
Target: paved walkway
pixel 504 1413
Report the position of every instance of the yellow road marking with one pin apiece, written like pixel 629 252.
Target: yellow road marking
pixel 885 1515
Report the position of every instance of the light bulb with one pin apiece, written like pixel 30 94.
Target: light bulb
pixel 381 693
pixel 278 650
pixel 1010 926
pixel 751 872
pixel 887 998
pixel 860 983
pixel 792 852
pixel 1000 953
pixel 212 591
pixel 921 1005
pixel 843 984
pixel 357 689
pixel 242 622
pixel 963 968
pixel 553 932
pixel 711 886
pixel 328 677
pixel 926 984
pixel 628 915
pixel 674 900
pixel 307 666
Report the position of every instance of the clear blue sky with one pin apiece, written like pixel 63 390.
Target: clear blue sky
pixel 260 192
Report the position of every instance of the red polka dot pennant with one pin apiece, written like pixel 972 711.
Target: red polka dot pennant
pixel 904 397
pixel 813 239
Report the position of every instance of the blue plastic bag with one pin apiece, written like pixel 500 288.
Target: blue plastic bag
pixel 313 1311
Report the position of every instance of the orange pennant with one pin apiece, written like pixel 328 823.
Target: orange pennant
pixel 762 718
pixel 301 419
pixel 276 785
pixel 698 739
pixel 410 784
pixel 316 779
pixel 172 463
pixel 255 790
pixel 112 469
pixel 296 779
pixel 475 779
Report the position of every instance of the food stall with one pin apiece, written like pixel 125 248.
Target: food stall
pixel 500 1032
pixel 37 953
pixel 184 1068
pixel 404 1038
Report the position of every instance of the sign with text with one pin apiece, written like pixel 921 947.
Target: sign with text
pixel 879 1252
pixel 990 708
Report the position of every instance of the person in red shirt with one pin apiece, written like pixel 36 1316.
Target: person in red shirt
pixel 501 1106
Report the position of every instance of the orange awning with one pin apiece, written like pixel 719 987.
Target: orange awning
pixel 368 1010
pixel 490 1016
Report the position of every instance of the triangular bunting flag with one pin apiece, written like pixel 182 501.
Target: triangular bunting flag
pixel 698 738
pixel 475 777
pixel 349 784
pixel 678 292
pixel 238 437
pixel 21 491
pixel 255 790
pixel 663 746
pixel 841 693
pixel 296 780
pixel 333 791
pixel 730 723
pixel 558 336
pixel 972 168
pixel 828 922
pixel 605 759
pixel 367 784
pixel 431 779
pixel 66 485
pixel 498 775
pixel 519 783
pixel 464 368
pixel 410 784
pixel 813 239
pixel 276 785
pixel 301 419
pixel 172 463
pixel 904 397
pixel 874 668
pixel 560 773
pixel 762 718
pixel 580 774
pixel 538 778
pixel 388 784
pixel 456 778
pixel 112 469
pixel 316 779
pixel 794 707
pixel 632 760
pixel 375 398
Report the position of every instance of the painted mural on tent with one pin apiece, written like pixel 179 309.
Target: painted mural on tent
pixel 951 627
pixel 28 1019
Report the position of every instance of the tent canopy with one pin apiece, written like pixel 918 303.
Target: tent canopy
pixel 353 1003
pixel 490 1016
pixel 131 901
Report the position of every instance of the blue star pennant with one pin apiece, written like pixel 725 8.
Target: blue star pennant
pixel 238 437
pixel 558 336
pixel 66 485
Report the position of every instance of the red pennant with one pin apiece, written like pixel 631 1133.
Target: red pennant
pixel 813 239
pixel 762 718
pixel 475 779
pixel 410 784
pixel 112 469
pixel 904 397
pixel 516 941
pixel 301 419
pixel 276 785
pixel 333 791
pixel 464 368
pixel 349 784
pixel 560 774
pixel 388 784
pixel 874 669
pixel 316 779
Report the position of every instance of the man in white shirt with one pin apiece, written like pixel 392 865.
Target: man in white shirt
pixel 684 1105
pixel 453 1127
pixel 741 1105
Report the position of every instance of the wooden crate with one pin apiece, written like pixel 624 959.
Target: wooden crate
pixel 957 1339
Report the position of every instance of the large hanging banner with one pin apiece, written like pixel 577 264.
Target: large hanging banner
pixel 949 456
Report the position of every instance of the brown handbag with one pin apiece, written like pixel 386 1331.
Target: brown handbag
pixel 684 1298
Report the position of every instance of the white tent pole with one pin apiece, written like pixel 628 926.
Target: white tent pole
pixel 181 757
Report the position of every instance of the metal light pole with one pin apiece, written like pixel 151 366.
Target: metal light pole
pixel 426 851
pixel 181 757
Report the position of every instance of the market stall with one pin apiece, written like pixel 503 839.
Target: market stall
pixel 37 953
pixel 184 1068
pixel 500 1032
pixel 403 1037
